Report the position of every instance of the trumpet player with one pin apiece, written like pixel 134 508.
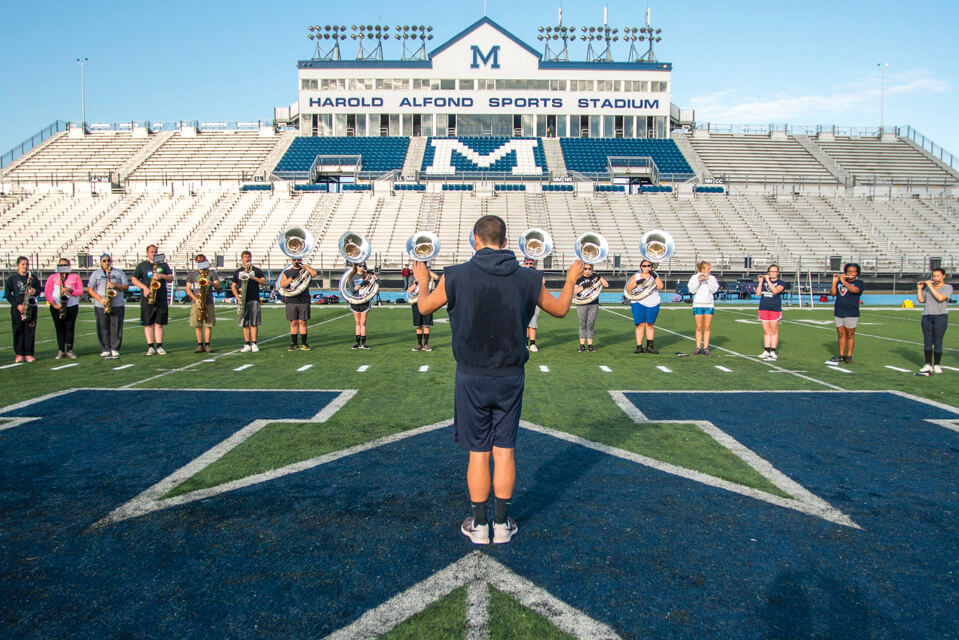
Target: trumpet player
pixel 770 290
pixel 934 294
pixel 587 312
pixel 200 284
pixel 847 287
pixel 151 277
pixel 109 308
pixel 246 289
pixel 63 290
pixel 21 292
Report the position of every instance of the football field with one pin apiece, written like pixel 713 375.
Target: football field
pixel 312 494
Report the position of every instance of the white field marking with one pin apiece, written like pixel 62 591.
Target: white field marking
pixel 744 321
pixel 741 355
pixel 477 610
pixel 243 367
pixel 10 423
pixel 281 336
pixel 472 568
pixel 950 368
pixel 15 364
pixel 443 320
pixel 664 369
pixel 209 360
pixel 603 367
pixel 722 368
pixel 304 368
pixel 821 322
pixel 948 424
pixel 424 368
pixel 362 368
pixel 859 333
pixel 801 499
pixel 122 366
pixel 152 499
pixel 836 367
pixel 889 366
pixel 64 366
pixel 544 368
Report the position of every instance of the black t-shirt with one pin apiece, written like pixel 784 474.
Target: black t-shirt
pixel 303 298
pixel 847 303
pixel 144 272
pixel 252 286
pixel 587 281
pixel 769 301
pixel 16 286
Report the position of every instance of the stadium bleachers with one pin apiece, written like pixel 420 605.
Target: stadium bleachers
pixel 216 155
pixel 76 159
pixel 477 155
pixel 590 155
pixel 869 159
pixel 378 155
pixel 759 158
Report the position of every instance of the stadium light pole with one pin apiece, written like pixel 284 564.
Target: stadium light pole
pixel 882 96
pixel 83 100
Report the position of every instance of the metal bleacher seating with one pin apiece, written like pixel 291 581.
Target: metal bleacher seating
pixel 66 159
pixel 213 155
pixel 759 158
pixel 895 161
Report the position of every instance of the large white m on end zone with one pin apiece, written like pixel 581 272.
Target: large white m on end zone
pixel 444 147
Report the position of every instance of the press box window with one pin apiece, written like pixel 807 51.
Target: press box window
pixel 483 84
pixel 466 84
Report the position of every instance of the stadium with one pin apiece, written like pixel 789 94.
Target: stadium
pixel 316 495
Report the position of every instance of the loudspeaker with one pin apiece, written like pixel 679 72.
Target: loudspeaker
pixel 219 262
pixel 835 263
pixel 935 263
pixel 748 262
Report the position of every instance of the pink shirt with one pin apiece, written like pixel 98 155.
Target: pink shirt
pixel 51 290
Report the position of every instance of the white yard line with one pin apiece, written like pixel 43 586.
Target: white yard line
pixel 362 368
pixel 544 368
pixel 122 366
pixel 305 367
pixel 64 366
pixel 7 366
pixel 889 366
pixel 664 369
pixel 722 368
pixel 243 367
pixel 424 368
pixel 603 367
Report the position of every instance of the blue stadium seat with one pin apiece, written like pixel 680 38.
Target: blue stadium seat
pixel 589 155
pixel 377 154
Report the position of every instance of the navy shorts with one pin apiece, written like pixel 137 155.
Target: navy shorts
pixel 419 320
pixel 486 411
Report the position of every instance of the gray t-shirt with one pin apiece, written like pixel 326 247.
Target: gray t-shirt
pixel 98 282
pixel 934 307
pixel 195 288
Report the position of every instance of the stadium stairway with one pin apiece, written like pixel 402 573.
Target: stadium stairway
pixel 414 156
pixel 703 174
pixel 825 159
pixel 144 152
pixel 282 144
pixel 554 157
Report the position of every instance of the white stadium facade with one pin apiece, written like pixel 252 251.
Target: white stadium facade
pixel 483 123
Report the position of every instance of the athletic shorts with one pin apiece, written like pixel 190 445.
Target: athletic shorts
pixel 210 320
pixel 360 308
pixel 151 314
pixel 534 321
pixel 297 311
pixel 703 311
pixel 643 314
pixel 767 315
pixel 486 411
pixel 849 323
pixel 251 314
pixel 419 320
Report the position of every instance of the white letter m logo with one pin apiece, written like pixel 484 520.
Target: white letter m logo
pixel 444 148
pixel 478 57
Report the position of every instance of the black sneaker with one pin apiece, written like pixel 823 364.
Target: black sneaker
pixel 365 346
pixel 356 346
pixel 833 361
pixel 591 348
pixel 847 360
pixel 582 348
pixel 639 349
pixel 293 347
pixel 652 350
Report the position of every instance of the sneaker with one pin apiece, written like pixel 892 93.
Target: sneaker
pixel 293 347
pixel 59 355
pixel 835 360
pixel 106 354
pixel 208 348
pixel 639 349
pixel 504 532
pixel 764 355
pixel 151 351
pixel 773 356
pixel 305 347
pixel 652 350
pixel 417 347
pixel 591 348
pixel 937 369
pixel 698 352
pixel 114 354
pixel 582 348
pixel 533 348
pixel 29 358
pixel 365 346
pixel 479 534
pixel 18 359
pixel 848 360
pixel 71 355
pixel 254 347
pixel 246 349
pixel 706 351
pixel 427 347
pixel 199 349
pixel 926 368
pixel 355 346
pixel 161 351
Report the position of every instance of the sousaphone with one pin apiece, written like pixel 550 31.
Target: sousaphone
pixel 296 243
pixel 656 245
pixel 355 249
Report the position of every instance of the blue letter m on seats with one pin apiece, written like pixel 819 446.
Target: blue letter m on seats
pixel 479 57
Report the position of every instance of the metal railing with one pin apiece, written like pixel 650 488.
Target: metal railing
pixel 931 147
pixel 30 143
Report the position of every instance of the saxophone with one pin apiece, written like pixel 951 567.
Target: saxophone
pixel 245 277
pixel 203 282
pixel 108 293
pixel 155 284
pixel 29 315
pixel 64 296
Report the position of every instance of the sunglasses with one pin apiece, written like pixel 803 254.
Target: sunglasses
pixel 646 266
pixel 106 261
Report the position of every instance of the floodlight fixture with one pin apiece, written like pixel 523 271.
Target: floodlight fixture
pixel 414 32
pixel 558 32
pixel 327 32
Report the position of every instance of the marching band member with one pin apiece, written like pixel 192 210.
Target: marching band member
pixel 487 338
pixel 200 284
pixel 298 306
pixel 646 311
pixel 847 287
pixel 20 291
pixel 422 323
pixel 247 280
pixel 357 276
pixel 703 285
pixel 108 309
pixel 770 290
pixel 58 286
pixel 935 317
pixel 529 263
pixel 153 315
pixel 587 312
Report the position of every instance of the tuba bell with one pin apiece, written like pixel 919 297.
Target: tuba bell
pixel 423 246
pixel 296 243
pixel 656 245
pixel 535 243
pixel 356 249
pixel 591 248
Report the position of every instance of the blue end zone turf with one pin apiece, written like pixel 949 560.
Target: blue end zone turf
pixel 643 551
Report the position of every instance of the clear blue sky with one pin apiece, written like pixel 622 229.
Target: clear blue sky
pixel 748 62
